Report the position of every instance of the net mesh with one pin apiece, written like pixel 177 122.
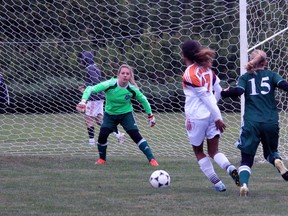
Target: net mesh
pixel 41 41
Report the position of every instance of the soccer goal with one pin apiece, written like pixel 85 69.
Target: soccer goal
pixel 41 41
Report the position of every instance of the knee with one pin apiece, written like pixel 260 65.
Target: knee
pixel 103 135
pixel 135 135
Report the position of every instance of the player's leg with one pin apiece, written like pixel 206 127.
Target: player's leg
pixel 269 139
pixel 97 112
pixel 120 136
pixel 129 124
pixel 221 159
pixel 207 168
pixel 89 120
pixel 213 136
pixel 94 111
pixel 107 127
pixel 248 143
pixel 99 119
pixel 196 134
pixel 245 172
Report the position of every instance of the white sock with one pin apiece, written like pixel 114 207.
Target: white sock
pixel 222 161
pixel 207 168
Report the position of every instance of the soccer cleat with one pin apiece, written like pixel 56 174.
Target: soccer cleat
pixel 234 175
pixel 244 190
pixel 153 162
pixel 100 161
pixel 220 187
pixel 281 169
pixel 91 142
pixel 120 137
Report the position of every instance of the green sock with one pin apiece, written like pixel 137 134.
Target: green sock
pixel 244 174
pixel 144 147
pixel 102 149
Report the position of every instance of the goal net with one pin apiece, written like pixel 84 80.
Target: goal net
pixel 41 41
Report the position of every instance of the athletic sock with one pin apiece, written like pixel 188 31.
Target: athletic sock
pixel 207 168
pixel 222 161
pixel 244 174
pixel 102 149
pixel 90 132
pixel 144 147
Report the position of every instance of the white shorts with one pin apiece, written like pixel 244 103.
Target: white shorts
pixel 93 108
pixel 201 129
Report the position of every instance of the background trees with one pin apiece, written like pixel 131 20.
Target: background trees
pixel 40 42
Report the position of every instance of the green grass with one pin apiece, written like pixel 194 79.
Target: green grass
pixel 43 185
pixel 46 169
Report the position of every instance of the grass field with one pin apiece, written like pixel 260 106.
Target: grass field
pixel 46 169
pixel 46 185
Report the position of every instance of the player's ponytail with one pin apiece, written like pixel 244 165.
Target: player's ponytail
pixel 193 51
pixel 132 80
pixel 257 60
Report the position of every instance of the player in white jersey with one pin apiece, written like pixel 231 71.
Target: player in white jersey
pixel 203 117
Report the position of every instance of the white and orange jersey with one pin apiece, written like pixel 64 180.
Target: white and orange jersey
pixel 198 86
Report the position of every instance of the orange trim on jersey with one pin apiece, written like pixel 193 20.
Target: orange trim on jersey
pixel 197 76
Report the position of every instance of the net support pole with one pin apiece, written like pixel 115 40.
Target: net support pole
pixel 243 44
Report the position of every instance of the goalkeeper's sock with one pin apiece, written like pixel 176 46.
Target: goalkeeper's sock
pixel 144 147
pixel 244 174
pixel 207 168
pixel 90 132
pixel 102 149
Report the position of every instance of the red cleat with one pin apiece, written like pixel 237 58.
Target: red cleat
pixel 100 161
pixel 153 162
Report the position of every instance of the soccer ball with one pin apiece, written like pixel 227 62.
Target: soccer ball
pixel 159 179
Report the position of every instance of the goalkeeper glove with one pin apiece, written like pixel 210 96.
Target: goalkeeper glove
pixel 151 120
pixel 81 107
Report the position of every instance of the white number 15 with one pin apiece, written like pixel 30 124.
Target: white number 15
pixel 264 84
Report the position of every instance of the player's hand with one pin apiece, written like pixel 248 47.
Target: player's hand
pixel 81 88
pixel 220 125
pixel 81 107
pixel 188 125
pixel 151 120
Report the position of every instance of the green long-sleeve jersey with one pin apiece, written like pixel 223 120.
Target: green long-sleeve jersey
pixel 260 103
pixel 118 99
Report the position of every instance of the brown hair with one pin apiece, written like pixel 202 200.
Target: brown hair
pixel 193 51
pixel 132 80
pixel 257 59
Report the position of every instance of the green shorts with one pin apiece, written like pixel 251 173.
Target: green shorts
pixel 252 133
pixel 127 121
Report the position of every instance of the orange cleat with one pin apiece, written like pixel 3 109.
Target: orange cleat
pixel 153 162
pixel 100 161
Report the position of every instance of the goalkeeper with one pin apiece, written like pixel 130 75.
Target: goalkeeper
pixel 94 108
pixel 118 110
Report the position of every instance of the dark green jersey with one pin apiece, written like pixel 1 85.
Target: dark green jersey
pixel 118 99
pixel 260 103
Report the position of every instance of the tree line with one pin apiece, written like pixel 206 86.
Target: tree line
pixel 41 41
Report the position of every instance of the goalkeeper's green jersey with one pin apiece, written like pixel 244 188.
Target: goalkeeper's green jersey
pixel 118 99
pixel 260 103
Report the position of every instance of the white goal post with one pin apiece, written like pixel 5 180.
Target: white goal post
pixel 41 40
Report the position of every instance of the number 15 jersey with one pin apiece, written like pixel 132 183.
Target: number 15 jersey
pixel 260 102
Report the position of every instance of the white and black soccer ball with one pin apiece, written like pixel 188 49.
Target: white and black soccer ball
pixel 160 179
